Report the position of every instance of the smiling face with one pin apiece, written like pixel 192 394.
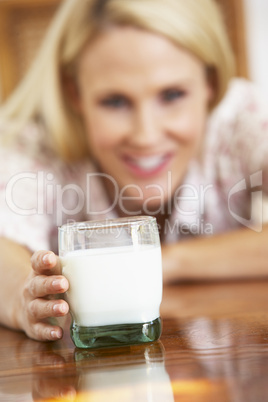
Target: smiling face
pixel 144 103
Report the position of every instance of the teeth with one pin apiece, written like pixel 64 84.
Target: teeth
pixel 148 163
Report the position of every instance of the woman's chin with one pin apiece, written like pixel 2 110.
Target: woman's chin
pixel 147 207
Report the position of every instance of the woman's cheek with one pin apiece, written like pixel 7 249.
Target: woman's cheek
pixel 106 130
pixel 185 129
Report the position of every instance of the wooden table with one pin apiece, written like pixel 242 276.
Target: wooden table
pixel 214 347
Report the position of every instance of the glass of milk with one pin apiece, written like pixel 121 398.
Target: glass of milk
pixel 115 274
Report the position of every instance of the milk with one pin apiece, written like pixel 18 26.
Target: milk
pixel 115 285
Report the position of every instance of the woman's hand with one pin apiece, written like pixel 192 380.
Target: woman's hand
pixel 39 297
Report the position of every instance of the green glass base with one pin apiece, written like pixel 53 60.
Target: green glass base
pixel 115 335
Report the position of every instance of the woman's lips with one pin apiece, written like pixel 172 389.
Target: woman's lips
pixel 145 166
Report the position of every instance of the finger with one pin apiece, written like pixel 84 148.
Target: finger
pixel 40 308
pixel 45 332
pixel 43 285
pixel 54 388
pixel 48 358
pixel 46 262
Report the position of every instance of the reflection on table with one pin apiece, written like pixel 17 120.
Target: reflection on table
pixel 214 347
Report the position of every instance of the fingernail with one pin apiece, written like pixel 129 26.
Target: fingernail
pixel 48 259
pixel 60 308
pixel 55 334
pixel 59 284
pixel 69 393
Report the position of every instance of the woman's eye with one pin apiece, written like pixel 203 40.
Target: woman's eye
pixel 170 95
pixel 115 101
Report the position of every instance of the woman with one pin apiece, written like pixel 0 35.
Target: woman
pixel 130 109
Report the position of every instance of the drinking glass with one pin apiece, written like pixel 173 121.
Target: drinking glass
pixel 115 274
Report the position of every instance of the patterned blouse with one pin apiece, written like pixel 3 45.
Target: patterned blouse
pixel 225 188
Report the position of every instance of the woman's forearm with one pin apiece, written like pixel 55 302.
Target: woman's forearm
pixel 14 268
pixel 234 255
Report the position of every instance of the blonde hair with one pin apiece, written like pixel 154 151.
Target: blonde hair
pixel 195 25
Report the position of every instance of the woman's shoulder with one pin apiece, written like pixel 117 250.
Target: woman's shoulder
pixel 242 111
pixel 242 96
pixel 237 133
pixel 29 150
pixel 21 147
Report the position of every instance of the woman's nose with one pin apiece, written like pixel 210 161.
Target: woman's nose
pixel 145 130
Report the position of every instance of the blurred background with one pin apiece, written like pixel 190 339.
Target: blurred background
pixel 24 22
